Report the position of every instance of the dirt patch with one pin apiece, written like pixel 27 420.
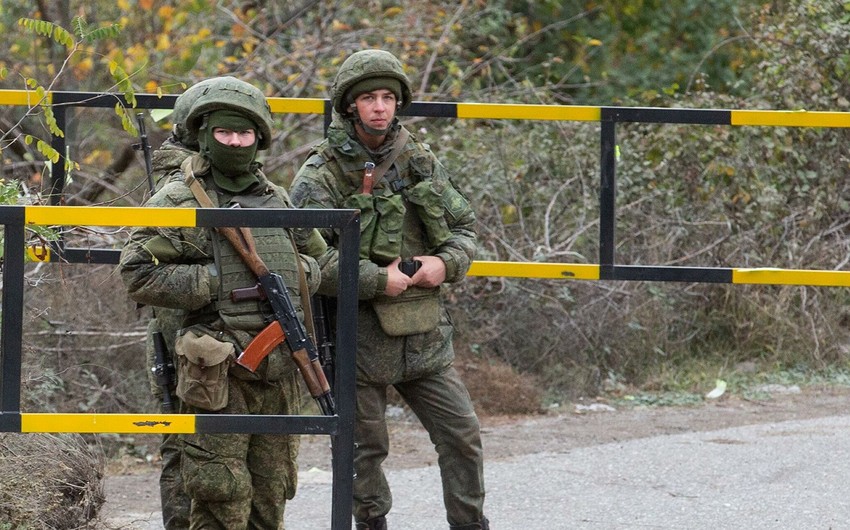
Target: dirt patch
pixel 507 436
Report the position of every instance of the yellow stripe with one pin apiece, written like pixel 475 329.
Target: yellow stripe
pixel 789 118
pixel 297 105
pixel 108 423
pixel 528 112
pixel 21 98
pixel 109 216
pixel 569 271
pixel 769 276
pixel 37 252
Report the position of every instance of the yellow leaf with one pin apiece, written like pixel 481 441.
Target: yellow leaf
pixel 509 214
pixel 163 42
pixel 165 12
pixel 123 5
pixel 393 11
pixel 594 42
pixel 340 26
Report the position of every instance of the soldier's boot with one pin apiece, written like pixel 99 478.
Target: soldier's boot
pixel 483 524
pixel 378 523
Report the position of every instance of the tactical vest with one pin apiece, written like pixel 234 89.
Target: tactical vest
pixel 277 251
pixel 404 215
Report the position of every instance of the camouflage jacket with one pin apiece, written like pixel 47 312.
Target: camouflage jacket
pixel 332 177
pixel 174 267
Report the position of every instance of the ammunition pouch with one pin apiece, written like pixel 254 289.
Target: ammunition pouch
pixel 202 366
pixel 415 311
pixel 428 202
pixel 368 219
pixel 386 241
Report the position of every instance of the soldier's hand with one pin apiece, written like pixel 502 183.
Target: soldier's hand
pixel 397 281
pixel 432 273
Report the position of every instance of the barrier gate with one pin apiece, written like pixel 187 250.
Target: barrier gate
pixel 340 427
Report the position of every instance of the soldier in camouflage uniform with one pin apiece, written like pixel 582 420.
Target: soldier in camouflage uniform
pixel 165 162
pixel 235 481
pixel 410 214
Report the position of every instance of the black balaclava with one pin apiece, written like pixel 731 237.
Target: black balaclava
pixel 232 167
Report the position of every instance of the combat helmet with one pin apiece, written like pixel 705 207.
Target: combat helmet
pixel 182 106
pixel 366 64
pixel 229 93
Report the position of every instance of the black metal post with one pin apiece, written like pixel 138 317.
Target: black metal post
pixel 11 329
pixel 342 444
pixel 607 197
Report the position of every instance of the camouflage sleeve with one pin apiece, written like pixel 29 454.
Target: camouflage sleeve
pixel 313 188
pixel 169 267
pixel 459 250
pixel 308 240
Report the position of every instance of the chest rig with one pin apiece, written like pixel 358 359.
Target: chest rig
pixel 274 246
pixel 401 211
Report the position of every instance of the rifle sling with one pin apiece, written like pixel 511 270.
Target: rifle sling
pixel 204 200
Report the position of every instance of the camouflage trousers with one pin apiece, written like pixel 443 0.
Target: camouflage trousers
pixel 175 503
pixel 242 481
pixel 442 404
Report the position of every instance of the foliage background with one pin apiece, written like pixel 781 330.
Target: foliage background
pixel 687 195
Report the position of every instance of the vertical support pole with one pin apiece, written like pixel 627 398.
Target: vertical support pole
pixel 607 197
pixel 11 329
pixel 346 348
pixel 57 171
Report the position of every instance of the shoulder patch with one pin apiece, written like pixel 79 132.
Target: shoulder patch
pixel 316 160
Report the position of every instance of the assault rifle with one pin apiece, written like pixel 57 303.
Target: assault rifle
pixel 285 327
pixel 145 148
pixel 324 336
pixel 163 364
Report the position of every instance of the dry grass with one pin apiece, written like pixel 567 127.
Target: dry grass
pixel 497 389
pixel 49 481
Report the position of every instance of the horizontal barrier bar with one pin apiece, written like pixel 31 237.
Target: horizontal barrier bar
pixel 495 111
pixel 553 271
pixel 176 423
pixel 790 118
pixel 771 276
pixel 508 269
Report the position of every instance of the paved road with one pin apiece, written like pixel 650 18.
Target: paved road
pixel 789 475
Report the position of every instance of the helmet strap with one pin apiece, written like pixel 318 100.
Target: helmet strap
pixel 355 117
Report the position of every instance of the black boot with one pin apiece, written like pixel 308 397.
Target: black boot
pixel 378 523
pixel 483 524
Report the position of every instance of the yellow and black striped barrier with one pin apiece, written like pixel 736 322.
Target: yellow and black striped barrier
pixel 484 111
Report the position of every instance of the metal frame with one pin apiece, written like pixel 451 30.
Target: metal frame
pixel 340 427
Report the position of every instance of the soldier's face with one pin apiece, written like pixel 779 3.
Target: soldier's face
pixel 377 108
pixel 244 138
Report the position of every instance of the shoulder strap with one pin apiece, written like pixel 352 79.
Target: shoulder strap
pixel 376 174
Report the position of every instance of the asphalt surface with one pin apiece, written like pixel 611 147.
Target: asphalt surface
pixel 788 475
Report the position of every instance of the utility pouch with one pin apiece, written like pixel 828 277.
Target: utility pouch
pixel 202 366
pixel 415 311
pixel 428 202
pixel 368 219
pixel 386 241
